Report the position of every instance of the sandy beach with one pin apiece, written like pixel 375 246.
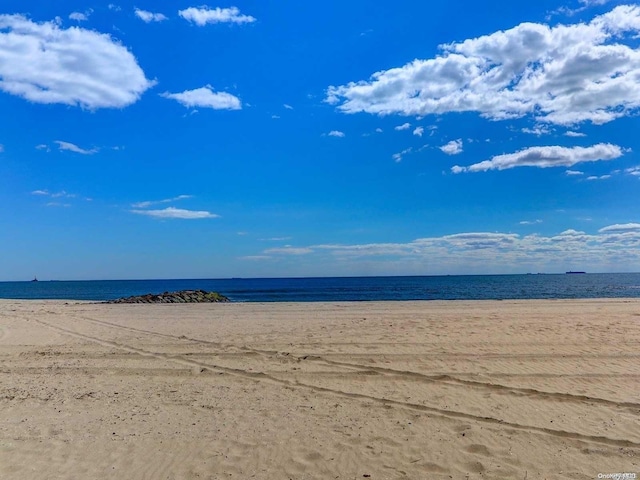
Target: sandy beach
pixel 381 390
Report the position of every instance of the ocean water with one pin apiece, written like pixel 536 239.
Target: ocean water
pixel 454 287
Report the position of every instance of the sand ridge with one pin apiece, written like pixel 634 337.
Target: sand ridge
pixel 512 389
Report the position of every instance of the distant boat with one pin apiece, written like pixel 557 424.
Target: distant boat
pixel 571 273
pixel 35 279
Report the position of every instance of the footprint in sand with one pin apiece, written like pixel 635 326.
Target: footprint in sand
pixel 478 449
pixel 475 467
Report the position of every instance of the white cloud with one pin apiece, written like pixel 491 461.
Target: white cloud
pixel 404 126
pixel 288 107
pixel 400 155
pixel 601 177
pixel 74 148
pixel 574 173
pixel 205 97
pixel 545 157
pixel 571 133
pixel 418 131
pixel 565 74
pixel 621 228
pixel 564 10
pixel 538 130
pixel 148 203
pixel 379 130
pixel 45 63
pixel 43 147
pixel 288 250
pixel 171 212
pixel 79 17
pixel 454 147
pixel 531 222
pixel 114 7
pixel 635 171
pixel 255 257
pixel 201 16
pixel 61 194
pixel 336 133
pixel 275 239
pixel 482 252
pixel 149 17
pixel 1 148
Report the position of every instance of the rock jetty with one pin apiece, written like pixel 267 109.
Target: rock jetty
pixel 183 296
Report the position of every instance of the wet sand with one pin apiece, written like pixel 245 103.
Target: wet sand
pixel 381 390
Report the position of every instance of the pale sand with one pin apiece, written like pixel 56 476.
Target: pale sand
pixel 419 390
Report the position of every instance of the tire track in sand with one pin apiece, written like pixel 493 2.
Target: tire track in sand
pixel 447 414
pixel 368 369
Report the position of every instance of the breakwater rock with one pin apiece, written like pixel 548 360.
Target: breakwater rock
pixel 183 296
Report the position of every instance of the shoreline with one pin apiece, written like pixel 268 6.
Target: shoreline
pixel 424 389
pixel 236 302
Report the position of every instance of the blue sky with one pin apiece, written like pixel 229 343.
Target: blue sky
pixel 252 139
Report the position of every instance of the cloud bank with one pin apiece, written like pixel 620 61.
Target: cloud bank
pixel 487 252
pixel 564 75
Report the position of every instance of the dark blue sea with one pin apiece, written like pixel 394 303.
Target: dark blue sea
pixel 454 287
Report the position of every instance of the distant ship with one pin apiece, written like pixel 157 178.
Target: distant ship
pixel 35 279
pixel 570 273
